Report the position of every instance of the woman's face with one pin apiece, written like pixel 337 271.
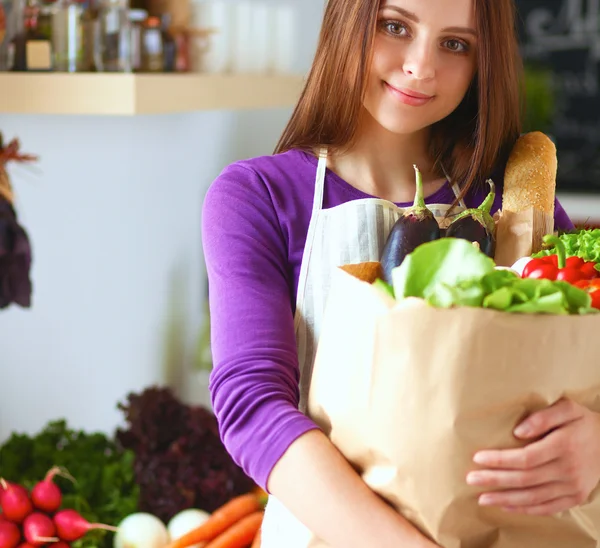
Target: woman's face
pixel 424 60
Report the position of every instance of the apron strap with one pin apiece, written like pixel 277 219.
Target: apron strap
pixel 455 189
pixel 320 181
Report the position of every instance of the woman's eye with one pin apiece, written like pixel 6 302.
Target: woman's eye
pixel 456 46
pixel 396 28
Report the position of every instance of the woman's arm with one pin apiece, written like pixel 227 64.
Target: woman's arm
pixel 254 383
pixel 324 492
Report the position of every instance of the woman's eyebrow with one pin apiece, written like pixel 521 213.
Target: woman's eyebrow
pixel 413 17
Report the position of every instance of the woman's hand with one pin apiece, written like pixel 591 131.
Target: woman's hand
pixel 550 475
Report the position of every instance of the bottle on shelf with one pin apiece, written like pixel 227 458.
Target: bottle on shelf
pixel 68 35
pixel 169 44
pixel 115 37
pixel 31 49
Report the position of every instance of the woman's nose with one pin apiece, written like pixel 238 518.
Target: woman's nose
pixel 419 62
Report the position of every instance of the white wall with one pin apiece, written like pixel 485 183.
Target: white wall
pixel 113 212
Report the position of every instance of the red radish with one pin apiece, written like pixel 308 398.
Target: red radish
pixel 46 495
pixel 39 529
pixel 14 501
pixel 10 535
pixel 72 526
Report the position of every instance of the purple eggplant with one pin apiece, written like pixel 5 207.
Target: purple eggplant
pixel 477 225
pixel 416 226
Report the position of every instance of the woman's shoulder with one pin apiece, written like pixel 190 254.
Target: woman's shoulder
pixel 276 189
pixel 269 173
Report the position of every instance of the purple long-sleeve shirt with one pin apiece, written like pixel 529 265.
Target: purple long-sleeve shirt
pixel 255 221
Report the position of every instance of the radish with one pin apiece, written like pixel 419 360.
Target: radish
pixel 39 529
pixel 10 535
pixel 15 502
pixel 71 526
pixel 46 495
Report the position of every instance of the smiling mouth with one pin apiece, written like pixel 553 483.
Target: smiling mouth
pixel 409 96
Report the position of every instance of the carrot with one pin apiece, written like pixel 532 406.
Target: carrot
pixel 257 539
pixel 240 534
pixel 220 520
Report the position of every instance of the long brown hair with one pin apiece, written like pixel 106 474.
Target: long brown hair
pixel 469 143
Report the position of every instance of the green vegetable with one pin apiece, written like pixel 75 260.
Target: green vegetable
pixel 105 490
pixel 451 273
pixel 384 286
pixel 446 261
pixel 581 243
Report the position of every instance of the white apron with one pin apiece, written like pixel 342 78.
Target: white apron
pixel 353 232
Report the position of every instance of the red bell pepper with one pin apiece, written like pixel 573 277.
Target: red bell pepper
pixel 559 267
pixel 593 288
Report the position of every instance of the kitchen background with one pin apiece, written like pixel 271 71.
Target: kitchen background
pixel 113 212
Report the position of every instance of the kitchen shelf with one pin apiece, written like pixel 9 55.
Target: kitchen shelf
pixel 131 94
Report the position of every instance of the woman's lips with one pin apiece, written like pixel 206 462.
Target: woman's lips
pixel 409 97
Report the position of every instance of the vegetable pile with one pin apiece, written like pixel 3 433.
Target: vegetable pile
pixel 579 243
pixel 558 266
pixel 105 490
pixel 166 465
pixel 452 272
pixel 35 518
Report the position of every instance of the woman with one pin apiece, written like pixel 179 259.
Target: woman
pixel 394 83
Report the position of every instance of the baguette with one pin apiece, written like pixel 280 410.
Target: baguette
pixel 530 184
pixel 530 176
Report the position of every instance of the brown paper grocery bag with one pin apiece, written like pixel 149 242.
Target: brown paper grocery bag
pixel 409 393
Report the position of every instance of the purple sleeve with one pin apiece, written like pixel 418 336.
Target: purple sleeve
pixel 562 222
pixel 254 383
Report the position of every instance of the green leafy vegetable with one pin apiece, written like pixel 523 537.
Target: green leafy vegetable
pixel 446 261
pixel 582 243
pixel 451 273
pixel 384 286
pixel 105 490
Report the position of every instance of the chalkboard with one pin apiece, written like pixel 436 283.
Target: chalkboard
pixel 560 43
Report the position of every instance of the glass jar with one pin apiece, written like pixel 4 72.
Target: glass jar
pixel 67 36
pixel 115 36
pixel 136 20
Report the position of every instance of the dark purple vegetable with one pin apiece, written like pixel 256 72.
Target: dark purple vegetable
pixel 15 259
pixel 180 460
pixel 477 225
pixel 416 226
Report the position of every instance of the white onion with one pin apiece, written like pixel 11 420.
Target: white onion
pixel 186 521
pixel 141 530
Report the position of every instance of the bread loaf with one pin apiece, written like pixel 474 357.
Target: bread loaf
pixel 530 176
pixel 530 183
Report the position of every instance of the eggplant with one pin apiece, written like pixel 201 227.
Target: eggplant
pixel 416 226
pixel 477 225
